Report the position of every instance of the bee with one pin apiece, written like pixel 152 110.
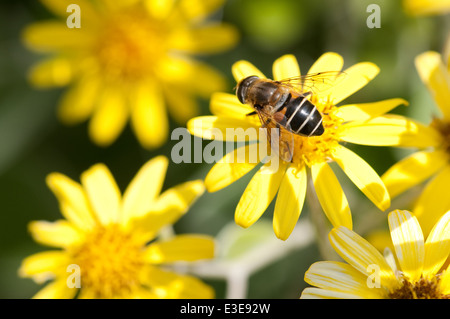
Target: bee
pixel 285 105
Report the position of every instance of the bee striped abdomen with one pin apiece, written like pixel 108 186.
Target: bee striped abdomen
pixel 303 117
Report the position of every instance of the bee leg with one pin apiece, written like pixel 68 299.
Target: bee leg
pixel 288 157
pixel 251 113
pixel 267 122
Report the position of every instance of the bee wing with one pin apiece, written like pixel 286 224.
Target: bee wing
pixel 315 82
pixel 278 135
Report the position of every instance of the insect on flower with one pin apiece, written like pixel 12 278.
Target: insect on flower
pixel 286 105
pixel 309 155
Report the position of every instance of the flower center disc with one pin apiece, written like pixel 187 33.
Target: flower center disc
pixel 422 289
pixel 110 262
pixel 129 45
pixel 317 149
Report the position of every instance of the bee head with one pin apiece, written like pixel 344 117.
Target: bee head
pixel 243 87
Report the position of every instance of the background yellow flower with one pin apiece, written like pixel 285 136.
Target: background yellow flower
pixel 431 162
pixel 129 60
pixel 426 7
pixel 105 237
pixel 368 274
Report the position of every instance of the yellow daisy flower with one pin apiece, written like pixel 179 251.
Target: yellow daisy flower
pixel 434 158
pixel 354 123
pixel 367 274
pixel 129 59
pixel 111 239
pixel 426 7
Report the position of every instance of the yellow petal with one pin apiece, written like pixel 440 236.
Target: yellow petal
pixel 199 9
pixel 228 105
pixel 56 290
pixel 223 129
pixel 413 170
pixel 366 111
pixel 243 69
pixel 390 130
pixel 78 102
pixel 60 8
pixel 208 80
pixel 426 7
pixel 258 195
pixel 103 193
pixel 316 293
pixel 341 277
pixel 207 39
pixel 434 74
pixel 179 198
pixel 330 195
pixel 180 248
pixel 73 201
pixel 437 247
pixel 148 115
pixel 55 72
pixel 363 176
pixel 444 281
pixel 44 265
pixel 290 199
pixel 361 255
pixel 169 285
pixel 408 243
pixel 159 9
pixel 61 234
pixel 145 187
pixel 168 208
pixel 109 118
pixel 117 6
pixel 285 67
pixel 140 293
pixel 353 79
pixel 231 167
pixel 178 73
pixel 50 36
pixel 181 106
pixel 434 201
pixel 328 61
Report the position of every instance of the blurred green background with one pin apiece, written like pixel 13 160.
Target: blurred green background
pixel 33 143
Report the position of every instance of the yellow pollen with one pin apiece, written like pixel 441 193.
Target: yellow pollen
pixel 129 45
pixel 110 262
pixel 422 289
pixel 316 149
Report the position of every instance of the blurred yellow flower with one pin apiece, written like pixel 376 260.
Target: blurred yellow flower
pixel 106 237
pixel 426 7
pixel 130 59
pixel 433 160
pixel 354 123
pixel 367 274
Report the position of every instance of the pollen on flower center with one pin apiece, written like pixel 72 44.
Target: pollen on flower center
pixel 316 149
pixel 129 45
pixel 422 289
pixel 110 262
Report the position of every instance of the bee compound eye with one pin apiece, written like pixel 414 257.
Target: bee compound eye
pixel 243 87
